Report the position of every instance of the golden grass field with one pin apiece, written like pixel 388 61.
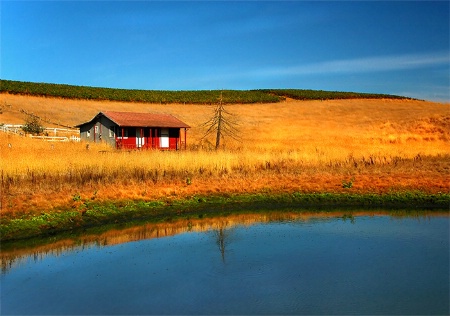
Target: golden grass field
pixel 306 146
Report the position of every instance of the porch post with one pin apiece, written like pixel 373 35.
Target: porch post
pixel 116 138
pixel 123 136
pixel 185 132
pixel 151 138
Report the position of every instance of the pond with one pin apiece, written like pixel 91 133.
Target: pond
pixel 277 263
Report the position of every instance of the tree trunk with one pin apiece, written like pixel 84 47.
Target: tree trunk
pixel 219 125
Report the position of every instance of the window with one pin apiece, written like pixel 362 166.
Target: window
pixel 119 132
pixel 111 131
pixel 164 140
pixel 130 132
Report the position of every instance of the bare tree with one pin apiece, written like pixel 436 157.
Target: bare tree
pixel 222 123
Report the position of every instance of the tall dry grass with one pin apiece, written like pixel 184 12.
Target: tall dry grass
pixel 309 146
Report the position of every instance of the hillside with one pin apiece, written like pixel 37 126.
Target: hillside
pixel 287 124
pixel 373 145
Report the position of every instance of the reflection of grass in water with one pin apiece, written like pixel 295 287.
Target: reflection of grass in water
pixel 350 217
pixel 215 222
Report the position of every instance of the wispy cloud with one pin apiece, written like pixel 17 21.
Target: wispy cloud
pixel 254 78
pixel 359 65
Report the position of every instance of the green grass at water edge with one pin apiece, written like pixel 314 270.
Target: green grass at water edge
pixel 96 214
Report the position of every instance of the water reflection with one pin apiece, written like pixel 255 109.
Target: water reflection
pixel 222 238
pixel 13 254
pixel 263 263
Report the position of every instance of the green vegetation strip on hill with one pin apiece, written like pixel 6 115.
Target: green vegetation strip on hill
pixel 94 214
pixel 298 94
pixel 189 97
pixel 150 96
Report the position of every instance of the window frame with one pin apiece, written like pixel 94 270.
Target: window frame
pixel 164 138
pixel 112 133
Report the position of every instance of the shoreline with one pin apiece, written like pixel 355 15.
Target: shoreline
pixel 90 213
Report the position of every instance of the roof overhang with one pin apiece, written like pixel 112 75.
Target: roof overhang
pixel 134 119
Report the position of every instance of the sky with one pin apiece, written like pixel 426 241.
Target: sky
pixel 392 47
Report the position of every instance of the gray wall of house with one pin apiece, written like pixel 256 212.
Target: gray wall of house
pixel 101 129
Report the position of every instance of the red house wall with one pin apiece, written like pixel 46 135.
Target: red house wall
pixel 151 139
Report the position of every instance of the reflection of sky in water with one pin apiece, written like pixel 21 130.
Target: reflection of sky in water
pixel 371 265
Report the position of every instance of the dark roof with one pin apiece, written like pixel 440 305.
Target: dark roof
pixel 141 119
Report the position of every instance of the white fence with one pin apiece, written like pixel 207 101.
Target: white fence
pixel 59 131
pixel 58 138
pixel 10 128
pixel 69 133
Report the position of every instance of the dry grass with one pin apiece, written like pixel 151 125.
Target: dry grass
pixel 291 146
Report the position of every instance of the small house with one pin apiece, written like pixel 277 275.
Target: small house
pixel 130 130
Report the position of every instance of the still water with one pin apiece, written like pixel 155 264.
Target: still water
pixel 368 264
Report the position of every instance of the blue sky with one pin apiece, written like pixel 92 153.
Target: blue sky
pixel 393 47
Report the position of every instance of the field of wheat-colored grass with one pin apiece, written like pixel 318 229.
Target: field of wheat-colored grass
pixel 376 145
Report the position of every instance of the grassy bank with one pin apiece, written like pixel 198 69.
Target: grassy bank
pixel 90 213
